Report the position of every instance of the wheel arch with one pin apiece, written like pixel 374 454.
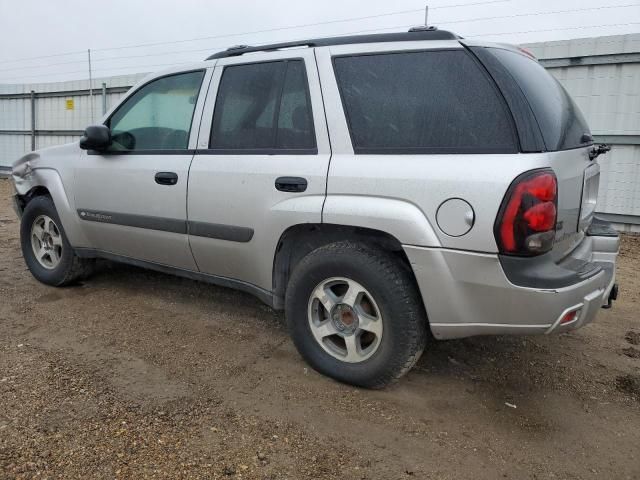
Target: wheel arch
pixel 301 239
pixel 23 199
pixel 47 181
pixel 401 219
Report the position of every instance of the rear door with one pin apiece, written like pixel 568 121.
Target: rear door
pixel 261 164
pixel 133 198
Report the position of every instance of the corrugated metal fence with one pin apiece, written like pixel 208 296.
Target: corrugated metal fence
pixel 42 115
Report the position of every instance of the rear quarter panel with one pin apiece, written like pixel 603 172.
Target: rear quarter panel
pixel 424 182
pixel 412 183
pixel 399 186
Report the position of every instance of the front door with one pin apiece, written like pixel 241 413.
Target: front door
pixel 133 198
pixel 261 164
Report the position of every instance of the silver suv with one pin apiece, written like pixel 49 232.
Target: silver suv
pixel 381 189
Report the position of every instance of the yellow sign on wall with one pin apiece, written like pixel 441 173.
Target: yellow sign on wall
pixel 69 104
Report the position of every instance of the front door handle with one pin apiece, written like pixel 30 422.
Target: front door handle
pixel 291 184
pixel 166 178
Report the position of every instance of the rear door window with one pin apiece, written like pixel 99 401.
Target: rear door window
pixel 263 107
pixel 561 123
pixel 423 102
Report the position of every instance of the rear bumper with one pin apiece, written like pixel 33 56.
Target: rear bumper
pixel 469 293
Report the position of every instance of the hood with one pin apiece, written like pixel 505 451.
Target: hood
pixel 50 157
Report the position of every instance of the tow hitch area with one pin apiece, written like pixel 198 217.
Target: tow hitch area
pixel 613 295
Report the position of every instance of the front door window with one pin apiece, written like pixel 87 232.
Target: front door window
pixel 158 116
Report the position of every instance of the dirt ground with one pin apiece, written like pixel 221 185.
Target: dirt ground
pixel 135 374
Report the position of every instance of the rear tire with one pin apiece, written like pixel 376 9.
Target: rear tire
pixel 45 248
pixel 355 314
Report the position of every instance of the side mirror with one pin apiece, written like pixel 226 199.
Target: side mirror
pixel 96 137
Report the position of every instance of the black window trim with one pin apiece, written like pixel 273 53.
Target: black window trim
pixel 270 150
pixel 429 150
pixel 181 151
pixel 257 151
pixel 186 151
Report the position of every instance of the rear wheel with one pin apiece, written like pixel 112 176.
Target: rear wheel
pixel 345 319
pixel 355 314
pixel 45 247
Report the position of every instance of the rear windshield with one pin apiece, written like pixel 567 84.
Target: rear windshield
pixel 422 102
pixel 561 123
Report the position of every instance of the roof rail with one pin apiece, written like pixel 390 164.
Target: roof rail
pixel 416 33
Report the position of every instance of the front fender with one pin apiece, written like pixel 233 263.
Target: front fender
pixel 50 179
pixel 401 219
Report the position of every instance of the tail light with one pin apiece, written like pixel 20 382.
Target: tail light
pixel 526 223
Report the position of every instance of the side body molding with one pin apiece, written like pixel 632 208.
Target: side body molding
pixel 404 220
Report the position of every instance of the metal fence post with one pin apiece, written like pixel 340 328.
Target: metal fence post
pixel 104 98
pixel 33 120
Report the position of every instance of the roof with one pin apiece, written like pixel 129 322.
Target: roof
pixel 417 33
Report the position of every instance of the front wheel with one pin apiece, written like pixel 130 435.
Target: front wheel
pixel 354 313
pixel 45 248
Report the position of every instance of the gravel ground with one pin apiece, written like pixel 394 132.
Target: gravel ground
pixel 135 374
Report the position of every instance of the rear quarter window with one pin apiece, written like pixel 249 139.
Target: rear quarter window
pixel 561 123
pixel 437 101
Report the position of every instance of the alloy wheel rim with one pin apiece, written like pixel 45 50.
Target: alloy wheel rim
pixel 345 319
pixel 46 242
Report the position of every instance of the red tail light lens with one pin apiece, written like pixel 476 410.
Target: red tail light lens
pixel 526 222
pixel 541 217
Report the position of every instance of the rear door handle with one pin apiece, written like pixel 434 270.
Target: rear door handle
pixel 291 184
pixel 166 178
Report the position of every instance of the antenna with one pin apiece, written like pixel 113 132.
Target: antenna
pixel 426 15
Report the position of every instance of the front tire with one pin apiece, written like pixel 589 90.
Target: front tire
pixel 45 248
pixel 355 314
